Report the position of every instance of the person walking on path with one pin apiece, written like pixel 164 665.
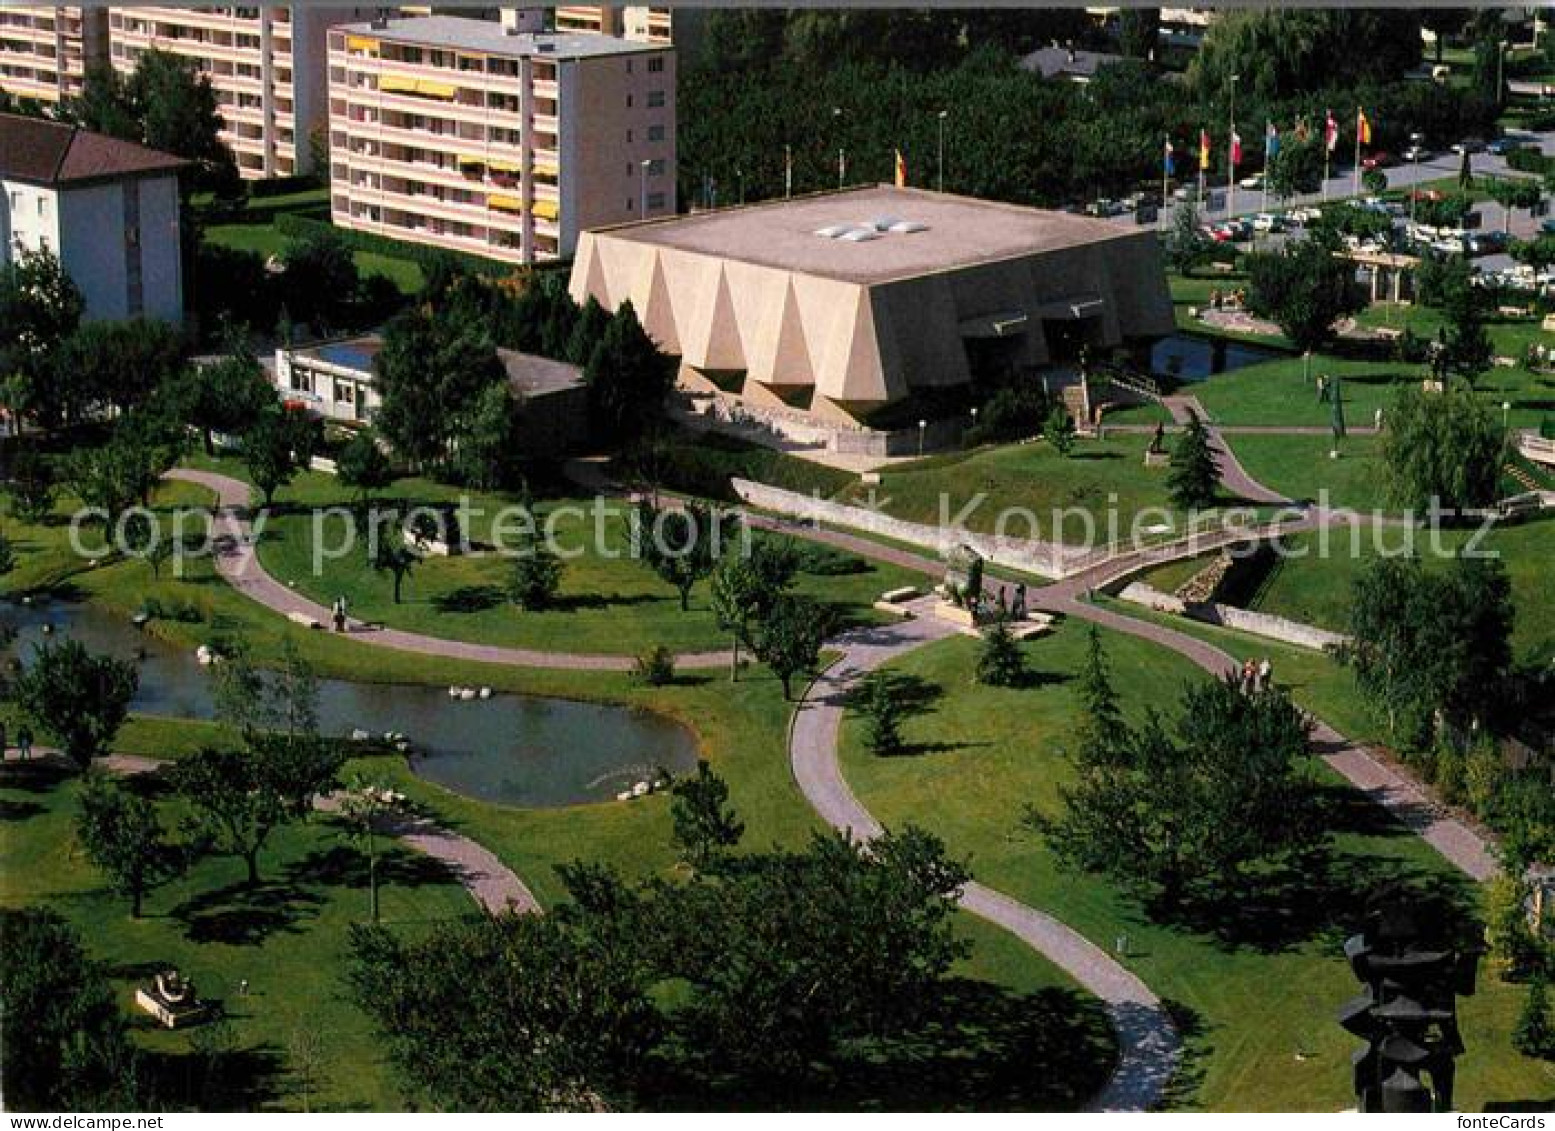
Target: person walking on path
pixel 1265 674
pixel 340 614
pixel 24 742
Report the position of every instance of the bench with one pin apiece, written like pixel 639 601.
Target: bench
pixel 897 596
pixel 305 619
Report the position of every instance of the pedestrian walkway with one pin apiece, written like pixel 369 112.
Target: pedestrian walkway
pixel 1148 1044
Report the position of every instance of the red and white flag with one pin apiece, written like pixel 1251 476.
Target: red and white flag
pixel 1236 149
pixel 1330 132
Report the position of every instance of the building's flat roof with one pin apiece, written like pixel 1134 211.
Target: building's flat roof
pixel 488 37
pixel 533 376
pixel 958 231
pixel 55 154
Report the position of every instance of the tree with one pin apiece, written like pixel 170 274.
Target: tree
pixel 743 588
pixel 1280 53
pixel 122 836
pixel 31 488
pixel 77 698
pixel 66 1045
pixel 628 379
pixel 536 574
pixel 115 476
pixel 1296 167
pixel 321 280
pixel 589 330
pixel 1429 641
pixel 394 557
pixel 1305 289
pixel 1209 814
pixel 788 638
pixel 682 545
pixel 1443 448
pixel 705 825
pixel 240 797
pixel 1194 480
pixel 276 445
pixel 1466 347
pixel 1059 429
pixel 1186 247
pixel 1000 662
pixel 879 699
pixel 223 395
pixel 119 364
pixel 509 1012
pixel 1514 192
pixel 1139 32
pixel 491 445
pixel 1534 1034
pixel 364 809
pixel 1374 181
pixel 252 701
pixel 364 467
pixel 40 307
pixel 1101 731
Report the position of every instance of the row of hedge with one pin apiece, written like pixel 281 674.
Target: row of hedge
pixel 704 463
pixel 304 227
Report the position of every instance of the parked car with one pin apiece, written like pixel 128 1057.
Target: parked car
pixel 1502 146
pixel 1419 153
pixel 1486 243
pixel 1382 159
pixel 1268 222
pixel 1468 145
pixel 1253 182
pixel 1186 192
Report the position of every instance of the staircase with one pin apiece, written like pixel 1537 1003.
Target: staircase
pixel 1521 477
pixel 1141 385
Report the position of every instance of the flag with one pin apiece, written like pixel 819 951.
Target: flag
pixel 842 166
pixel 1303 129
pixel 1236 148
pixel 1203 149
pixel 901 170
pixel 1271 142
pixel 1362 127
pixel 1330 131
pixel 1170 164
pixel 788 170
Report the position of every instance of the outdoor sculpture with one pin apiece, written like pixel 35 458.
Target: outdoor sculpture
pixel 964 578
pixel 171 1000
pixel 1407 1015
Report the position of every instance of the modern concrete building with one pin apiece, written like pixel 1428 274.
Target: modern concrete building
pixel 464 135
pixel 266 64
pixel 633 21
pixel 838 304
pixel 108 209
pixel 336 380
pixel 45 51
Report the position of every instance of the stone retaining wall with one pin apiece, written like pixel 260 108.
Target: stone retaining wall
pixel 1043 559
pixel 1259 624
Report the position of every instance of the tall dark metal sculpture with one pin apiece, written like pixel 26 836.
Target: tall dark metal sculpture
pixel 1408 1015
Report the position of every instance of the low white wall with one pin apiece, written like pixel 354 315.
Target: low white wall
pixel 1040 558
pixel 1259 624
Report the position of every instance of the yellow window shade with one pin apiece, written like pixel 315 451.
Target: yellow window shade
pixel 546 169
pixel 399 84
pixel 502 166
pixel 395 84
pixel 546 209
pixel 504 203
pixel 436 89
pixel 466 159
pixel 362 43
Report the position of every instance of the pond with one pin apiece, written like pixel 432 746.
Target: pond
pixel 1189 358
pixel 510 749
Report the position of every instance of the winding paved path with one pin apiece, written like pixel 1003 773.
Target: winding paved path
pixel 494 885
pixel 1148 1044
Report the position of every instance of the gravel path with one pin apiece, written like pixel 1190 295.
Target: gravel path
pixel 1147 1040
pixel 495 886
pixel 1232 475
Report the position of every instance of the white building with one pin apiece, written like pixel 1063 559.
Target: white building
pixel 107 208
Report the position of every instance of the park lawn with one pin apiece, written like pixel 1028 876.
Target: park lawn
pixel 1317 589
pixel 1261 1028
pixel 608 602
pixel 1039 493
pixel 1299 466
pixel 288 939
pixel 267 240
pixel 1278 392
pixel 1170 577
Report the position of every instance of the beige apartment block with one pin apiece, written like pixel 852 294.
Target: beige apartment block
pixel 837 304
pixel 45 52
pixel 633 21
pixel 266 64
pixel 466 135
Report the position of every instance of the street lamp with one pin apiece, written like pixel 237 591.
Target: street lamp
pixel 842 153
pixel 642 188
pixel 1414 189
pixel 943 114
pixel 1231 153
pixel 1506 410
pixel 923 426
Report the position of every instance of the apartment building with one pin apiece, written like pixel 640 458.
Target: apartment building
pixel 266 64
pixel 106 208
pixel 633 21
pixel 467 135
pixel 45 51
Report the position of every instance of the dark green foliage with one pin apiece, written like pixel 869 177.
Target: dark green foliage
pixel 703 465
pixel 1186 247
pixel 433 261
pixel 1194 479
pixel 1283 52
pixel 628 379
pixel 77 698
pixel 682 545
pixel 277 444
pixel 705 825
pixel 879 698
pixel 1297 167
pixel 363 466
pixel 1059 429
pixel 1534 1034
pixel 587 332
pixel 117 365
pixel 1304 289
pixel 122 836
pixel 32 486
pixel 1139 32
pixel 788 638
pixel 66 1048
pixel 240 797
pixel 40 307
pixel 224 395
pixel 1425 641
pixel 536 574
pixel 1000 661
pixel 1013 412
pixel 321 281
pixel 1199 817
pixel 655 667
pixel 1102 730
pixel 744 588
pixel 1444 448
pixel 393 557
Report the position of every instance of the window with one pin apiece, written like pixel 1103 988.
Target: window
pixel 628 101
pixel 43 205
pixel 655 133
pixel 628 137
pixel 628 66
pixel 655 200
pixel 656 64
pixel 656 167
pixel 655 99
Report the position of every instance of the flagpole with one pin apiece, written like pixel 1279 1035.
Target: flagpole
pixel 1355 182
pixel 1166 174
pixel 788 171
pixel 1327 153
pixel 1231 155
pixel 1267 157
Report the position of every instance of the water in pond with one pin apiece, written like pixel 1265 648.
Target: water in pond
pixel 510 749
pixel 1193 359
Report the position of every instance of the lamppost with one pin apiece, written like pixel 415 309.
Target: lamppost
pixel 740 174
pixel 1506 412
pixel 842 153
pixel 1414 189
pixel 642 189
pixel 923 426
pixel 1231 154
pixel 943 114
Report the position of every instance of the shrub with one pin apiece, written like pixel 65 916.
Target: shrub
pixel 655 667
pixel 827 561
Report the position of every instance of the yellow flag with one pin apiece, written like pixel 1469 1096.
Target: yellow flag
pixel 901 170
